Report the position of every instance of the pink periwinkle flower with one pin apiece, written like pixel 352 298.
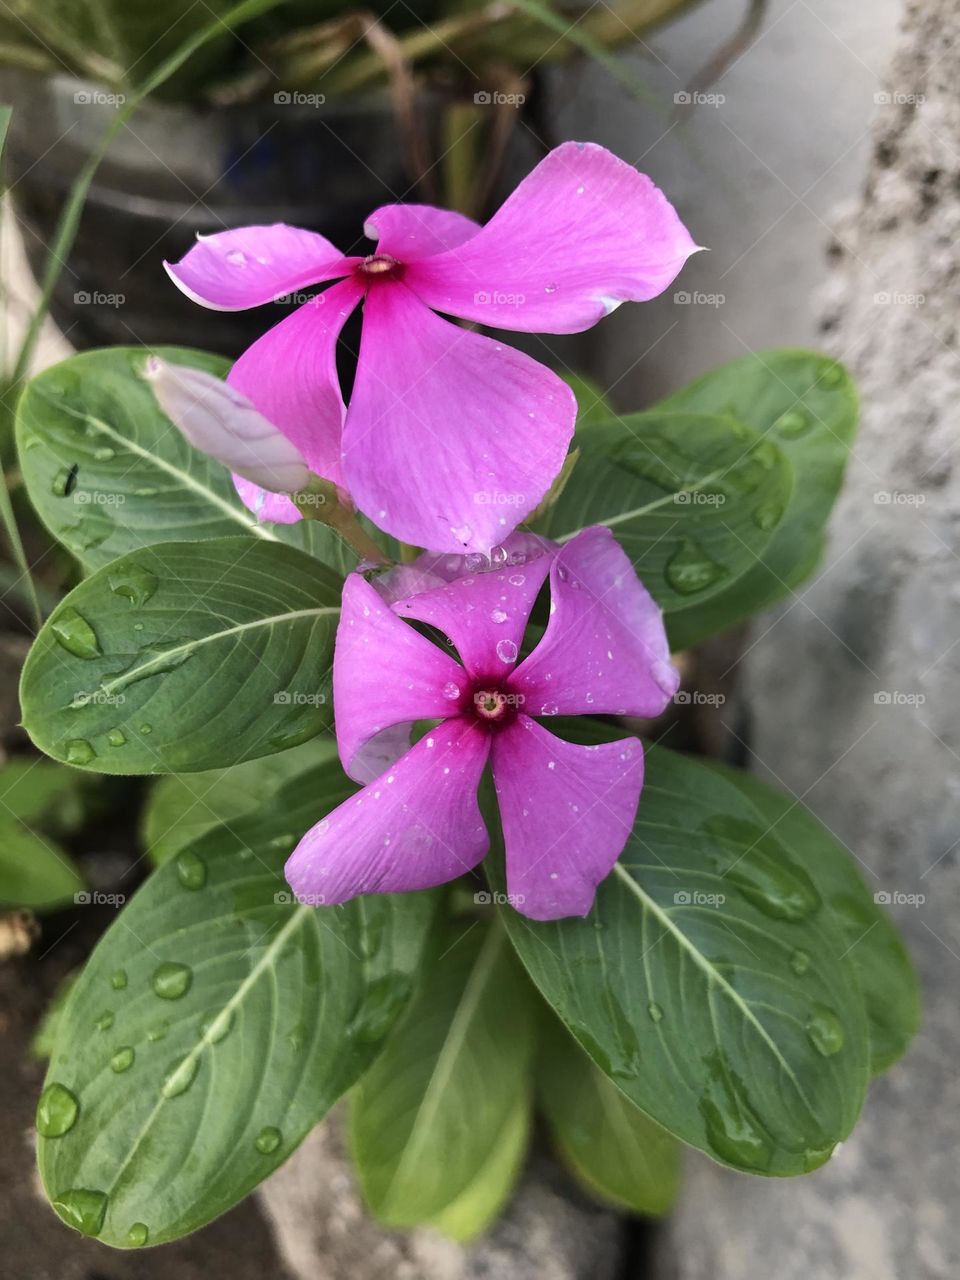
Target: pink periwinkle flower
pixel 440 417
pixel 566 809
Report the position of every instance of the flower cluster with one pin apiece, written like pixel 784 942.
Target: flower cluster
pixel 442 423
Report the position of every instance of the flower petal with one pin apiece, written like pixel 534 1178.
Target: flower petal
pixel 581 234
pixel 484 615
pixel 605 649
pixel 411 231
pixel 385 676
pixel 416 826
pixel 247 266
pixel 221 422
pixel 451 439
pixel 290 375
pixel 567 812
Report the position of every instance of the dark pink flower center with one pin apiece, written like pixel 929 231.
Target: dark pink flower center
pixel 494 706
pixel 379 266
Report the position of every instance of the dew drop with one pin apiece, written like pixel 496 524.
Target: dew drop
pixel 800 962
pixel 57 1111
pixel 517 579
pixel 237 258
pixel 507 651
pixel 767 516
pixel 122 1060
pixel 75 634
pixel 267 1140
pixel 180 1076
pixel 104 453
pixel 133 583
pixel 83 1210
pixel 498 616
pixel 690 569
pixel 191 870
pixel 833 376
pixel 792 424
pixel 549 709
pixel 79 751
pixel 138 1235
pixel 825 1031
pixel 549 288
pixel 451 690
pixel 217 1026
pixel 158 1032
pixel 172 980
pixel 146 728
pixel 116 737
pixel 64 481
pixel 105 1021
pixel 655 1011
pixel 118 979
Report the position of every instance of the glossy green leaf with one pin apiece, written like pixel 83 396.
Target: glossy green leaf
pixel 108 472
pixel 807 404
pixel 428 1119
pixel 709 982
pixel 692 499
pixel 41 793
pixel 619 1154
pixel 183 657
pixel 183 807
pixel 34 871
pixel 214 1025
pixel 876 949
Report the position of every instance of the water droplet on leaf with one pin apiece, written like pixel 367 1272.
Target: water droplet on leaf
pixel 122 1060
pixel 138 1235
pixel 57 1111
pixel 267 1140
pixel 191 870
pixel 75 634
pixel 79 751
pixel 82 1209
pixel 133 583
pixel 118 979
pixel 690 569
pixel 172 980
pixel 180 1076
pixel 825 1030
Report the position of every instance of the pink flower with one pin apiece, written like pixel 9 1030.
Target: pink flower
pixel 566 810
pixel 441 419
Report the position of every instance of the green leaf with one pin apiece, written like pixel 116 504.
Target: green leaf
pixel 709 983
pixel 215 1023
pixel 875 947
pixel 429 1118
pixel 108 472
pixel 45 1036
pixel 807 404
pixel 479 1206
pixel 182 808
pixel 185 656
pixel 41 793
pixel 615 1150
pixel 692 499
pixel 34 871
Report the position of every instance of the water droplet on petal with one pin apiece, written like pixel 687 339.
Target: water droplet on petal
pixel 237 258
pixel 549 288
pixel 549 709
pixel 57 1111
pixel 172 980
pixel 450 691
pixel 507 651
pixel 498 616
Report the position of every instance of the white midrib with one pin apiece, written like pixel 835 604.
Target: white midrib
pixel 265 962
pixel 185 478
pixel 713 975
pixel 162 659
pixel 645 510
pixel 447 1057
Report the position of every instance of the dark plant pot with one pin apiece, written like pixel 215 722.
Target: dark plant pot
pixel 177 170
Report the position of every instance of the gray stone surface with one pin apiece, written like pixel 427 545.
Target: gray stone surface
pixel 548 1232
pixel 855 692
